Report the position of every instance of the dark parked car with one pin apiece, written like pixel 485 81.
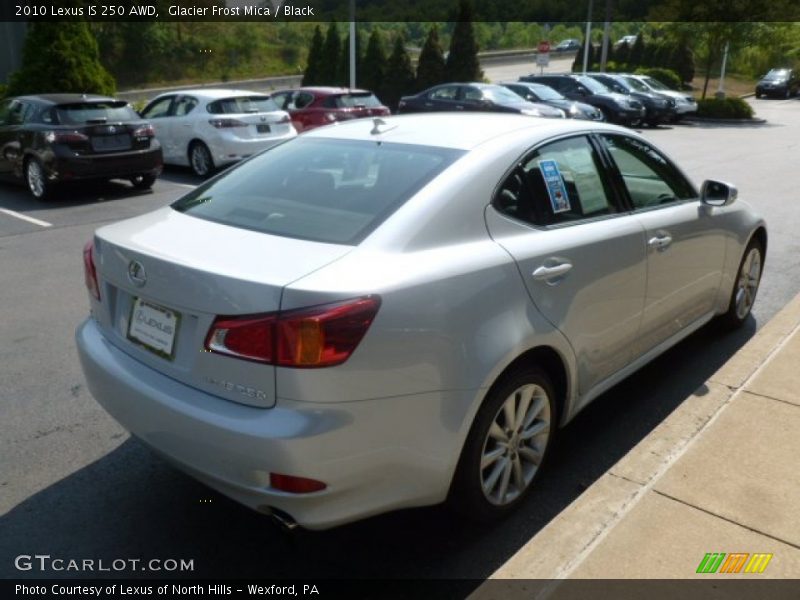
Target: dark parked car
pixel 55 138
pixel 617 108
pixel 569 45
pixel 659 109
pixel 536 92
pixel 485 97
pixel 311 107
pixel 778 82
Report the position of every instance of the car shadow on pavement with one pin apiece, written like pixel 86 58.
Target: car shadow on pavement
pixel 16 197
pixel 131 504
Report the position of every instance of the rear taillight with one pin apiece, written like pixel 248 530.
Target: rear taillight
pixel 294 484
pixel 144 131
pixel 89 271
pixel 65 137
pixel 227 123
pixel 321 336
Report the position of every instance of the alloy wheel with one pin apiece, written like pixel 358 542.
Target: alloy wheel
pixel 201 160
pixel 515 444
pixel 747 284
pixel 35 178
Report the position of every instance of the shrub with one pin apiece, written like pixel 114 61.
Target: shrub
pixel 666 76
pixel 724 108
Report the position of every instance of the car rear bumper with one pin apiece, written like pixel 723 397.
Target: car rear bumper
pixel 369 463
pixel 227 149
pixel 66 166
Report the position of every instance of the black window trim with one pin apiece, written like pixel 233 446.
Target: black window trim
pixel 619 182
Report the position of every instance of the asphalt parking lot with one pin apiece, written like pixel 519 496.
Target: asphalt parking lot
pixel 74 485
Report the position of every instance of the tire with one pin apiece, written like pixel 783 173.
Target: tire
pixel 499 463
pixel 143 182
pixel 36 180
pixel 758 94
pixel 745 287
pixel 200 159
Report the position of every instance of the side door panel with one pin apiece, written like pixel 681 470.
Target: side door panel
pixel 685 245
pixel 585 267
pixel 158 115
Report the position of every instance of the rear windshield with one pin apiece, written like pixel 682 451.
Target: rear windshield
pixel 100 112
pixel 352 101
pixel 334 191
pixel 242 104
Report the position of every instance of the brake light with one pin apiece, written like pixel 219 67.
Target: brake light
pixel 144 131
pixel 65 137
pixel 89 271
pixel 295 485
pixel 321 336
pixel 227 123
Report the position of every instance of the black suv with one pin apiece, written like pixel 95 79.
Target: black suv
pixel 778 82
pixel 54 138
pixel 659 109
pixel 616 108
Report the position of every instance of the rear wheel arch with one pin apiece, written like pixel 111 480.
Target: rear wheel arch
pixel 760 234
pixel 541 368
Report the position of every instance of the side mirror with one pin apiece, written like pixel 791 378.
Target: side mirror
pixel 717 193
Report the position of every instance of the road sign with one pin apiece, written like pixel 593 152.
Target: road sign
pixel 543 55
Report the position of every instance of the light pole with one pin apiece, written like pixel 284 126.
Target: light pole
pixel 352 44
pixel 588 39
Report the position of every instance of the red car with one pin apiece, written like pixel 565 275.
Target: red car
pixel 311 107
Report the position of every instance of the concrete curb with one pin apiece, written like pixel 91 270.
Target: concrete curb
pixel 560 548
pixel 754 122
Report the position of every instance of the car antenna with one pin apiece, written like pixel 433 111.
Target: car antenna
pixel 377 123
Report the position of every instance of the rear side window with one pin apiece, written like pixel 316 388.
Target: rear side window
pixel 94 112
pixel 242 104
pixel 334 191
pixel 558 183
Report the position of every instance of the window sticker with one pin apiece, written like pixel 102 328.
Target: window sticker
pixel 555 186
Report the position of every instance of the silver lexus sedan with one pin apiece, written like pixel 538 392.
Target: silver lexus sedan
pixel 397 312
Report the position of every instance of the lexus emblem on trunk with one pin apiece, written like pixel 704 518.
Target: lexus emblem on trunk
pixel 136 273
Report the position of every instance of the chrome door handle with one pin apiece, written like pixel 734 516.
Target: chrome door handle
pixel 546 273
pixel 660 242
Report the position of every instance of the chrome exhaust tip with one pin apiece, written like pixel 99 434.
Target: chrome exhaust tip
pixel 283 520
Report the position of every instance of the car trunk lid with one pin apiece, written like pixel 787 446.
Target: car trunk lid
pixel 162 284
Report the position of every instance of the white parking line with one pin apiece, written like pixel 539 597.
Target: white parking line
pixel 184 185
pixel 12 213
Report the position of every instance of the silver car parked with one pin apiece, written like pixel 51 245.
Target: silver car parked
pixel 391 313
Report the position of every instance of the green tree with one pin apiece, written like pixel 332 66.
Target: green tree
pixel 315 61
pixel 577 64
pixel 343 68
pixel 60 57
pixel 430 67
pixel 373 71
pixel 636 56
pixel 329 65
pixel 401 80
pixel 682 62
pixel 462 61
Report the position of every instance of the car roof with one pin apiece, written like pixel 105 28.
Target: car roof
pixel 212 93
pixel 66 98
pixel 453 130
pixel 323 90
